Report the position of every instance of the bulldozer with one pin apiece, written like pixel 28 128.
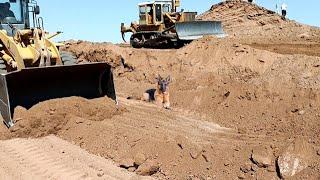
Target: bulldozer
pixel 162 26
pixel 34 69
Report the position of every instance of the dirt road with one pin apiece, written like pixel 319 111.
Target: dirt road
pixel 53 158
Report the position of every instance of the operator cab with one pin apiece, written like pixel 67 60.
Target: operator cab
pixel 14 14
pixel 151 13
pixel 11 13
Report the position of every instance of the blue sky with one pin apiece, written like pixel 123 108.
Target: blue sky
pixel 100 20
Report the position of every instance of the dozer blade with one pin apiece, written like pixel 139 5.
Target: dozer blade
pixel 197 29
pixel 33 85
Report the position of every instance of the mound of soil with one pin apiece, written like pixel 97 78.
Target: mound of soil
pixel 51 117
pixel 235 82
pixel 243 20
pixel 254 92
pixel 234 101
pixel 105 52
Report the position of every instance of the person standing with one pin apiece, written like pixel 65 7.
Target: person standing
pixel 284 8
pixel 5 11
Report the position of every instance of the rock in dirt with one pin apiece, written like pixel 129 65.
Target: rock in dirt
pixel 127 163
pixel 132 169
pixel 302 112
pixel 77 120
pixel 262 157
pixel 241 176
pixel 139 159
pixel 294 159
pixel 148 168
pixel 100 173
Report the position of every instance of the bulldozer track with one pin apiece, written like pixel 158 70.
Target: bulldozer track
pixel 53 158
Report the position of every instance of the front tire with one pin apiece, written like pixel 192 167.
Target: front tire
pixel 3 66
pixel 68 58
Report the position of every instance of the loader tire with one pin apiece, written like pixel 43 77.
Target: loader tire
pixel 3 67
pixel 68 58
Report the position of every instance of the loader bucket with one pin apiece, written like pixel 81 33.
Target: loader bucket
pixel 30 86
pixel 197 29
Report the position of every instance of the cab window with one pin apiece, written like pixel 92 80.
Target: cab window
pixel 12 10
pixel 158 13
pixel 143 9
pixel 166 8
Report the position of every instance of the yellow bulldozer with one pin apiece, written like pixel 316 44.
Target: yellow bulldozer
pixel 162 26
pixel 33 69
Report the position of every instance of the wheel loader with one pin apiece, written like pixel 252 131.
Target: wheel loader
pixel 32 67
pixel 162 26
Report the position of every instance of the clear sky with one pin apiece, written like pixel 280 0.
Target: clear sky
pixel 100 20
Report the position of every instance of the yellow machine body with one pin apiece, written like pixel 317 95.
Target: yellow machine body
pixel 32 69
pixel 161 25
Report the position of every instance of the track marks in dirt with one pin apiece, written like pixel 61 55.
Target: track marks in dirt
pixel 178 122
pixel 53 158
pixel 311 49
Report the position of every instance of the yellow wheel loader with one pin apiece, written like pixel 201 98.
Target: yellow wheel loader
pixel 161 26
pixel 32 69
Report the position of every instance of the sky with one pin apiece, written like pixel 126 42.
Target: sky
pixel 99 20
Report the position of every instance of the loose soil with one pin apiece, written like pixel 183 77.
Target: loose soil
pixel 258 87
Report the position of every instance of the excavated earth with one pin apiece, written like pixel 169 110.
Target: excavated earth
pixel 232 99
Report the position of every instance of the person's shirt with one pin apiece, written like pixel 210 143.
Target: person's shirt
pixel 284 6
pixel 6 13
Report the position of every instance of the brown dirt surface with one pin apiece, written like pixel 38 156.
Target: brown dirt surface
pixel 256 89
pixel 51 116
pixel 265 98
pixel 53 158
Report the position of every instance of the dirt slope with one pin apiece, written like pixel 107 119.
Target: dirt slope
pixel 252 91
pixel 244 20
pixel 51 116
pixel 258 87
pixel 210 68
pixel 184 144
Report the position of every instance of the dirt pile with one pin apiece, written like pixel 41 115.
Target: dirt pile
pixel 237 102
pixel 51 117
pixel 235 82
pixel 87 51
pixel 240 18
pixel 254 92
